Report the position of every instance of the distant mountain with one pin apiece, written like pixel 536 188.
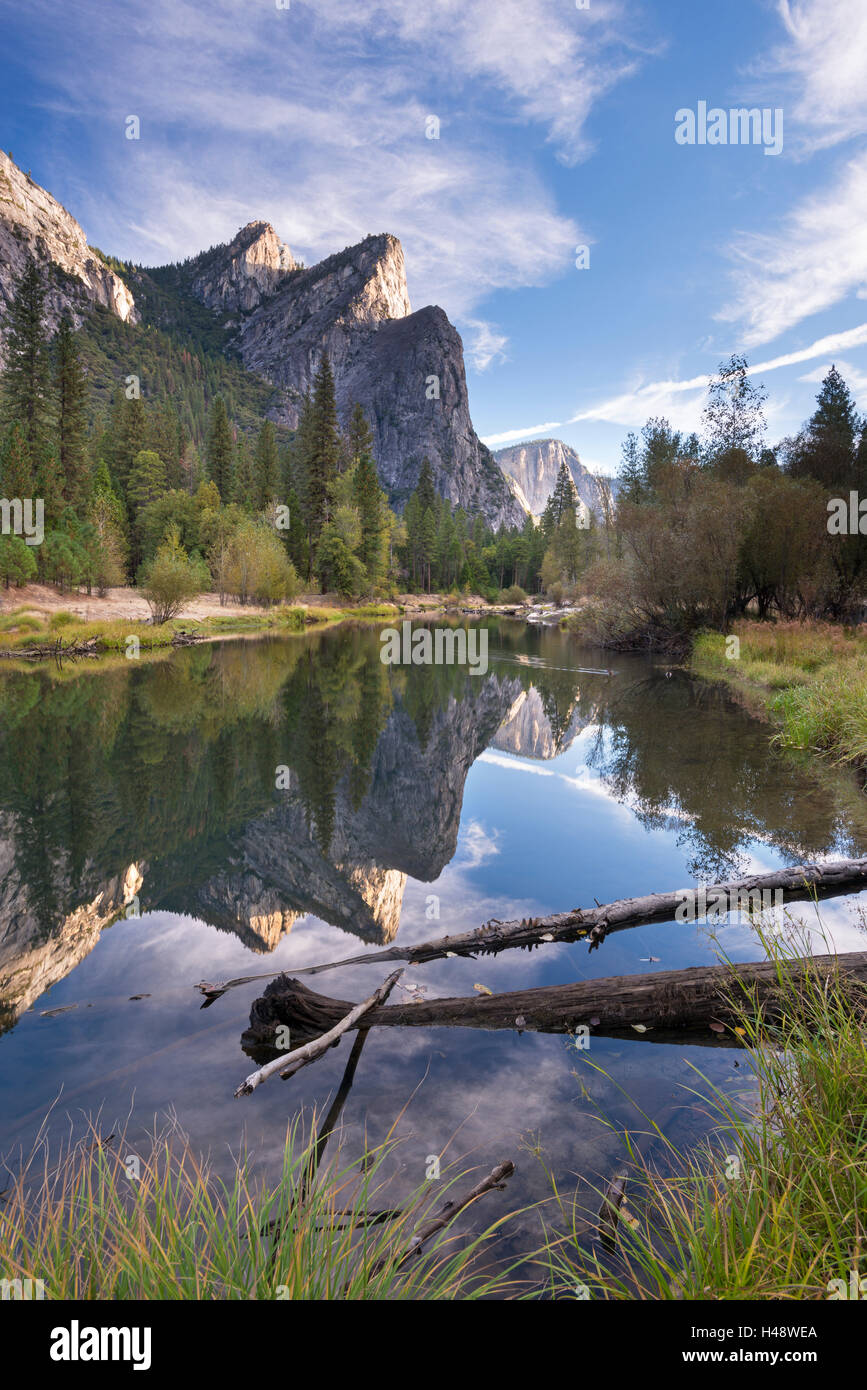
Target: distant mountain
pixel 252 302
pixel 533 467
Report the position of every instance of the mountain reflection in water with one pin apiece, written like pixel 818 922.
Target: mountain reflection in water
pixel 228 810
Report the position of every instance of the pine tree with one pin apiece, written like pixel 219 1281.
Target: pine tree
pixel 219 451
pixel 147 480
pixel 128 433
pixel 564 498
pixel 372 514
pixel 324 449
pixel 360 437
pixel 266 468
pixel 425 486
pixel 71 394
pixel 244 481
pixel 27 376
pixel 49 486
pixel 428 545
pixel 828 450
pixel 16 470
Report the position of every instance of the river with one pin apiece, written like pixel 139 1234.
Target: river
pixel 258 806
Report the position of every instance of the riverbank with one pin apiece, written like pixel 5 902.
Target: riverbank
pixel 809 678
pixel 39 626
pixel 39 622
pixel 773 1207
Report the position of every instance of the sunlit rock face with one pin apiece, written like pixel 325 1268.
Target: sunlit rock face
pixel 34 226
pixel 31 959
pixel 534 468
pixel 248 270
pixel 406 369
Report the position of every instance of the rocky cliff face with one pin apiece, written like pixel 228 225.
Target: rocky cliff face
pixel 534 468
pixel 35 225
pixel 242 274
pixel 406 369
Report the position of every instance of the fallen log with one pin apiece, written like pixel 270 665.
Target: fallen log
pixel 288 1063
pixel 804 881
pixel 664 1006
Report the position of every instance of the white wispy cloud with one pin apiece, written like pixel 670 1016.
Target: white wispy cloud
pixel 823 60
pixel 682 400
pixel 314 118
pixel 485 344
pixel 810 262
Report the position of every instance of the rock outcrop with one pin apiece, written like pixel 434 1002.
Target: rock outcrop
pixel 242 274
pixel 33 225
pixel 534 467
pixel 406 369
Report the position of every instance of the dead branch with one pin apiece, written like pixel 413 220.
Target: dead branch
pixel 292 1062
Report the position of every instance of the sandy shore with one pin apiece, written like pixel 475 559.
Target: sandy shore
pixel 121 603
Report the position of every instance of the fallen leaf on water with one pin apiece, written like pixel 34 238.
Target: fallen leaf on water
pixel 547 937
pixel 741 1032
pixel 718 1027
pixel 483 989
pixel 640 1027
pixel 452 954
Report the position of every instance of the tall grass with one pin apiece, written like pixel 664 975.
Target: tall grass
pixel 811 677
pixel 774 1205
pixel 113 1222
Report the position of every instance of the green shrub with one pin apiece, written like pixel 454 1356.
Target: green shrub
pixel 62 618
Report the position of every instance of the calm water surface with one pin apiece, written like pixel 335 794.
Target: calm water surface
pixel 417 802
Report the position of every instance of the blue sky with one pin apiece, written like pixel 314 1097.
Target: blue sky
pixel 557 130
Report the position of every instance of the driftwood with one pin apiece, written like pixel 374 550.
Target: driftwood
pixel 494 1182
pixel 287 1064
pixel 804 881
pixel 41 651
pixel 87 647
pixel 703 1000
